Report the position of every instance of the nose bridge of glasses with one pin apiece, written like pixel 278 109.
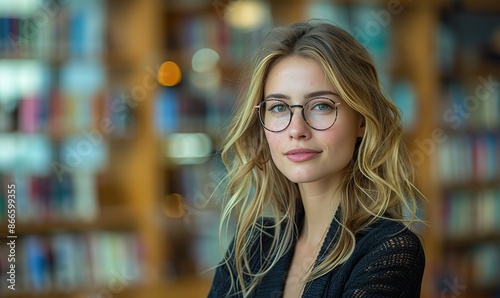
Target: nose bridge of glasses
pixel 296 106
pixel 291 107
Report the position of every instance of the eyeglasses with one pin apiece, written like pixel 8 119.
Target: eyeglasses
pixel 319 113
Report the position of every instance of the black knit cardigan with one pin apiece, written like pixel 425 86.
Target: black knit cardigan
pixel 388 261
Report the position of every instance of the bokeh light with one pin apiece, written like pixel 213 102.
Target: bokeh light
pixel 169 74
pixel 189 148
pixel 173 205
pixel 247 15
pixel 205 60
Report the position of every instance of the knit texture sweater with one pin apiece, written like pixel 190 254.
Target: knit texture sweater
pixel 388 261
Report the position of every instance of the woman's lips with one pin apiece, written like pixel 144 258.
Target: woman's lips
pixel 301 154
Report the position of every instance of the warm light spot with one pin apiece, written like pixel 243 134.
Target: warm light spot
pixel 173 205
pixel 246 15
pixel 169 74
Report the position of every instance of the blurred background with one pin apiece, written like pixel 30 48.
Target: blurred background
pixel 112 113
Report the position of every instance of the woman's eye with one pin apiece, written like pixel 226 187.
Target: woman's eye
pixel 322 107
pixel 278 108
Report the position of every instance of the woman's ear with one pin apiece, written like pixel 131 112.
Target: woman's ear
pixel 361 126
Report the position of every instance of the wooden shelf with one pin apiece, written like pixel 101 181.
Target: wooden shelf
pixel 435 4
pixel 125 292
pixel 464 242
pixel 470 131
pixel 465 71
pixel 471 185
pixel 484 6
pixel 190 286
pixel 185 287
pixel 52 59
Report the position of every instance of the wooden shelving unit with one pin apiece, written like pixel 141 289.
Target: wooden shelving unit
pixel 471 254
pixel 140 35
pixel 128 186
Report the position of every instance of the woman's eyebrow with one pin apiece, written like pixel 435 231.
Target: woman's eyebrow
pixel 320 93
pixel 307 96
pixel 277 96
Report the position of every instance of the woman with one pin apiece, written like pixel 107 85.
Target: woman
pixel 318 176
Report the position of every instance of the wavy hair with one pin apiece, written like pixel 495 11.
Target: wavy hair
pixel 378 182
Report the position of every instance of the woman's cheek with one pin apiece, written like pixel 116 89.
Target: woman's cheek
pixel 273 147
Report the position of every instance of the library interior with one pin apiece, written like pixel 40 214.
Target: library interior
pixel 112 114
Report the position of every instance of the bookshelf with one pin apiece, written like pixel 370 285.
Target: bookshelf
pixel 77 81
pixel 470 193
pixel 455 146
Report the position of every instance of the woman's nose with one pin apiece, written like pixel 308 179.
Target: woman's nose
pixel 298 128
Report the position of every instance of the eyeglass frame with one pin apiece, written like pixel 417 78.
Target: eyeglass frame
pixel 291 107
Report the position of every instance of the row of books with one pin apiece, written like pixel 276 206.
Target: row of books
pixel 477 266
pixel 63 101
pixel 56 117
pixel 35 97
pixel 471 105
pixel 54 29
pixel 95 261
pixel 60 115
pixel 470 213
pixel 473 158
pixel 37 154
pixel 69 196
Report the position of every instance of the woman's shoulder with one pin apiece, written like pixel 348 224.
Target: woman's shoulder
pixel 386 226
pixel 388 261
pixel 388 235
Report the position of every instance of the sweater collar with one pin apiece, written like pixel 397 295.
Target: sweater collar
pixel 273 284
pixel 319 284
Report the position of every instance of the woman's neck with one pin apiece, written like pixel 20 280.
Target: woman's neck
pixel 320 206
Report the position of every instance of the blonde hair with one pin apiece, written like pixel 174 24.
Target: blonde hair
pixel 378 183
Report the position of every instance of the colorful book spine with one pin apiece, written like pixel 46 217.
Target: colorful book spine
pixel 45 32
pixel 471 105
pixel 69 197
pixel 63 262
pixel 478 155
pixel 471 213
